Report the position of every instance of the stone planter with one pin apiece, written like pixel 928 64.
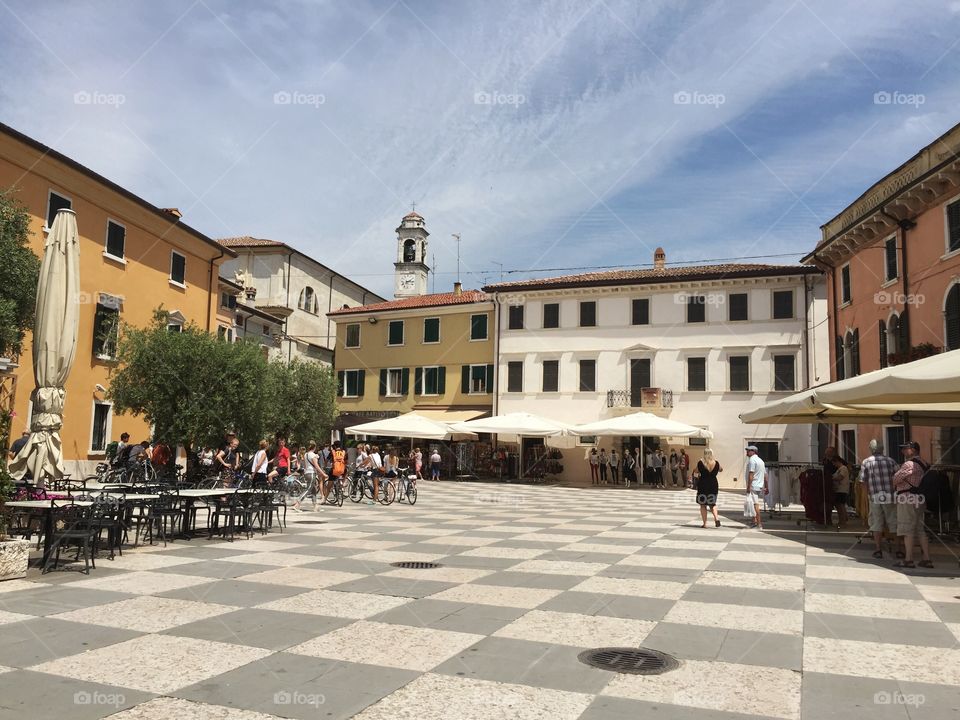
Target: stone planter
pixel 14 555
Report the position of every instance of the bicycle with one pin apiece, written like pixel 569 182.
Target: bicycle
pixel 336 494
pixel 406 485
pixel 361 485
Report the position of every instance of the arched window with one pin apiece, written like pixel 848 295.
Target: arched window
pixel 308 300
pixel 893 335
pixel 409 251
pixel 951 314
pixel 883 344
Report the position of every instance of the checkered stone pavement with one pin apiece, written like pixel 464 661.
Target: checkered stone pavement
pixel 315 622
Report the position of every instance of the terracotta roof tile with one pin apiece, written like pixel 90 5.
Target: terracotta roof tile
pixel 467 297
pixel 247 241
pixel 647 276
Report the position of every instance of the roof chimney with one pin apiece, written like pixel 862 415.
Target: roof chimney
pixel 457 288
pixel 659 259
pixel 173 211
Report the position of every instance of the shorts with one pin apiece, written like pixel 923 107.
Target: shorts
pixel 840 498
pixel 282 471
pixel 756 496
pixel 910 512
pixel 883 514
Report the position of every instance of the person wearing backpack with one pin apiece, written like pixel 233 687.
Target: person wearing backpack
pixel 338 467
pixel 911 505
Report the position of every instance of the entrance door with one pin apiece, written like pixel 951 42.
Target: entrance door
pixel 848 445
pixel 893 438
pixel 639 379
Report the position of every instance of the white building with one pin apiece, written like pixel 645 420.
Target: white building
pixel 698 344
pixel 287 284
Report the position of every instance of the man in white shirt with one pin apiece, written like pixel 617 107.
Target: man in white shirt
pixel 756 474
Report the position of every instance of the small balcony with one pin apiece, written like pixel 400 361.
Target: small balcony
pixel 642 398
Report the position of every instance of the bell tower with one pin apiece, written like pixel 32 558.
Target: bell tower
pixel 410 268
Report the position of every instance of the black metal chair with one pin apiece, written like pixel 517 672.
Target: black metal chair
pixel 72 526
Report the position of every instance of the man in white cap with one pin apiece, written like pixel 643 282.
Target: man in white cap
pixel 911 507
pixel 756 473
pixel 877 472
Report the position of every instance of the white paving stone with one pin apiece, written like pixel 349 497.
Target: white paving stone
pixel 940 666
pixel 336 604
pixel 146 614
pixel 519 597
pixel 579 630
pixel 875 607
pixel 737 617
pixel 631 587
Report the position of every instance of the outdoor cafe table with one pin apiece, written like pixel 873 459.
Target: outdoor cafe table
pixel 189 497
pixel 47 506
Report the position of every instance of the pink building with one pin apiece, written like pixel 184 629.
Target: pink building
pixel 892 260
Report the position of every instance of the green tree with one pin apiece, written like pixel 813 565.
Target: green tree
pixel 190 385
pixel 302 401
pixel 19 275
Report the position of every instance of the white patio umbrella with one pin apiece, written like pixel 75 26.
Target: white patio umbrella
pixel 410 425
pixel 805 408
pixel 935 379
pixel 640 423
pixel 54 348
pixel 518 423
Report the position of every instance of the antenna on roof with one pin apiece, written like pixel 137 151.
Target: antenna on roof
pixel 433 271
pixel 456 236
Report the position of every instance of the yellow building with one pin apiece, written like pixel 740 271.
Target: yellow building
pixel 432 354
pixel 134 256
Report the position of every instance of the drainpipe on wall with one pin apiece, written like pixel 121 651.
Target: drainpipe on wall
pixel 832 313
pixel 286 320
pixel 210 289
pixel 806 332
pixel 496 369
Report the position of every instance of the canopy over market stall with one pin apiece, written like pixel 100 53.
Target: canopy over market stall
pixel 410 425
pixel 519 423
pixel 640 423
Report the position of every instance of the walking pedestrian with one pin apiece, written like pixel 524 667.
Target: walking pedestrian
pixel 841 490
pixel 911 507
pixel 877 473
pixel 674 467
pixel 629 467
pixel 602 460
pixel 435 460
pixel 708 486
pixel 311 472
pixel 338 467
pixel 684 467
pixel 756 477
pixel 594 461
pixel 418 463
pixel 614 461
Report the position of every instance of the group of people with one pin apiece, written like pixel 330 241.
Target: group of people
pixel 127 455
pixel 636 468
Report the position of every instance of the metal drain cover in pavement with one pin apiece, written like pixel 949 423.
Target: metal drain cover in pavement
pixel 415 565
pixel 635 661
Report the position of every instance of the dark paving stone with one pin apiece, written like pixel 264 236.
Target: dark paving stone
pixel 215 569
pixel 260 628
pixel 894 591
pixel 472 561
pixel 526 663
pixel 296 686
pixel 758 597
pixel 202 550
pixel 614 708
pixel 362 567
pixel 239 593
pixel 53 599
pixel 31 642
pixel 586 603
pixel 900 632
pixel 948 612
pixel 544 581
pixel 25 694
pixel 73 572
pixel 578 556
pixel 839 697
pixel 756 566
pixel 638 572
pixel 394 586
pixel 325 550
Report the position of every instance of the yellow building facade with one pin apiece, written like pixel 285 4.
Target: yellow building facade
pixel 433 354
pixel 134 257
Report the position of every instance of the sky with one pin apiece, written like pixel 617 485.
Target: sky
pixel 551 135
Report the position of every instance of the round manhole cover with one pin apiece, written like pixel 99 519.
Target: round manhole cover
pixel 636 661
pixel 415 565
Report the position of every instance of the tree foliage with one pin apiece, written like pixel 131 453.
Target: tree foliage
pixel 19 275
pixel 193 387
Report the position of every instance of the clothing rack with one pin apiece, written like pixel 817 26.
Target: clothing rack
pixel 775 506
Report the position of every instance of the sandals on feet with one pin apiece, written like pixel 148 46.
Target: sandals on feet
pixel 904 564
pixel 878 554
pixel 900 554
pixel 925 564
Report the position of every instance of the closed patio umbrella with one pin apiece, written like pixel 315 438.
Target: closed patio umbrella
pixel 54 348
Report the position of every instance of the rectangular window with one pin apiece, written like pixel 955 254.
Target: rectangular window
pixel 178 268
pixel 783 304
pixel 640 311
pixel 640 377
pixel 394 382
pixel 395 332
pixel 228 301
pixel 106 327
pixel 432 380
pixel 737 306
pixel 588 376
pixel 352 383
pixel 845 290
pixel 894 437
pixel 740 373
pixel 116 239
pixel 890 259
pixel 696 309
pixel 515 376
pixel 478 379
pixel 784 373
pixel 431 330
pixel 848 445
pixel 551 376
pixel 478 327
pixel 588 313
pixel 696 374
pixel 551 315
pixel 515 321
pixel 55 202
pixel 352 339
pixel 953 226
pixel 101 426
pixel 174 327
pixel 223 333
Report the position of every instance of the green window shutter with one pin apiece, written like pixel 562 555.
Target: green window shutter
pixel 340 386
pixel 405 381
pixel 418 381
pixel 465 379
pixel 838 357
pixel 383 382
pixel 361 374
pixel 441 380
pixel 489 378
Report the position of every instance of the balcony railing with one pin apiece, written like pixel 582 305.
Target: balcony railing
pixel 640 398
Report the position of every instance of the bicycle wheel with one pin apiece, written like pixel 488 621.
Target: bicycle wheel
pixel 388 493
pixel 411 493
pixel 338 493
pixel 356 489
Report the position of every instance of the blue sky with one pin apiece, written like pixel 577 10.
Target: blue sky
pixel 548 134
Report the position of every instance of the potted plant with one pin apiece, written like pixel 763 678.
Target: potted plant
pixel 14 553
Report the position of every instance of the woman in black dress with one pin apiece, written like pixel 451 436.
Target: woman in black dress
pixel 707 486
